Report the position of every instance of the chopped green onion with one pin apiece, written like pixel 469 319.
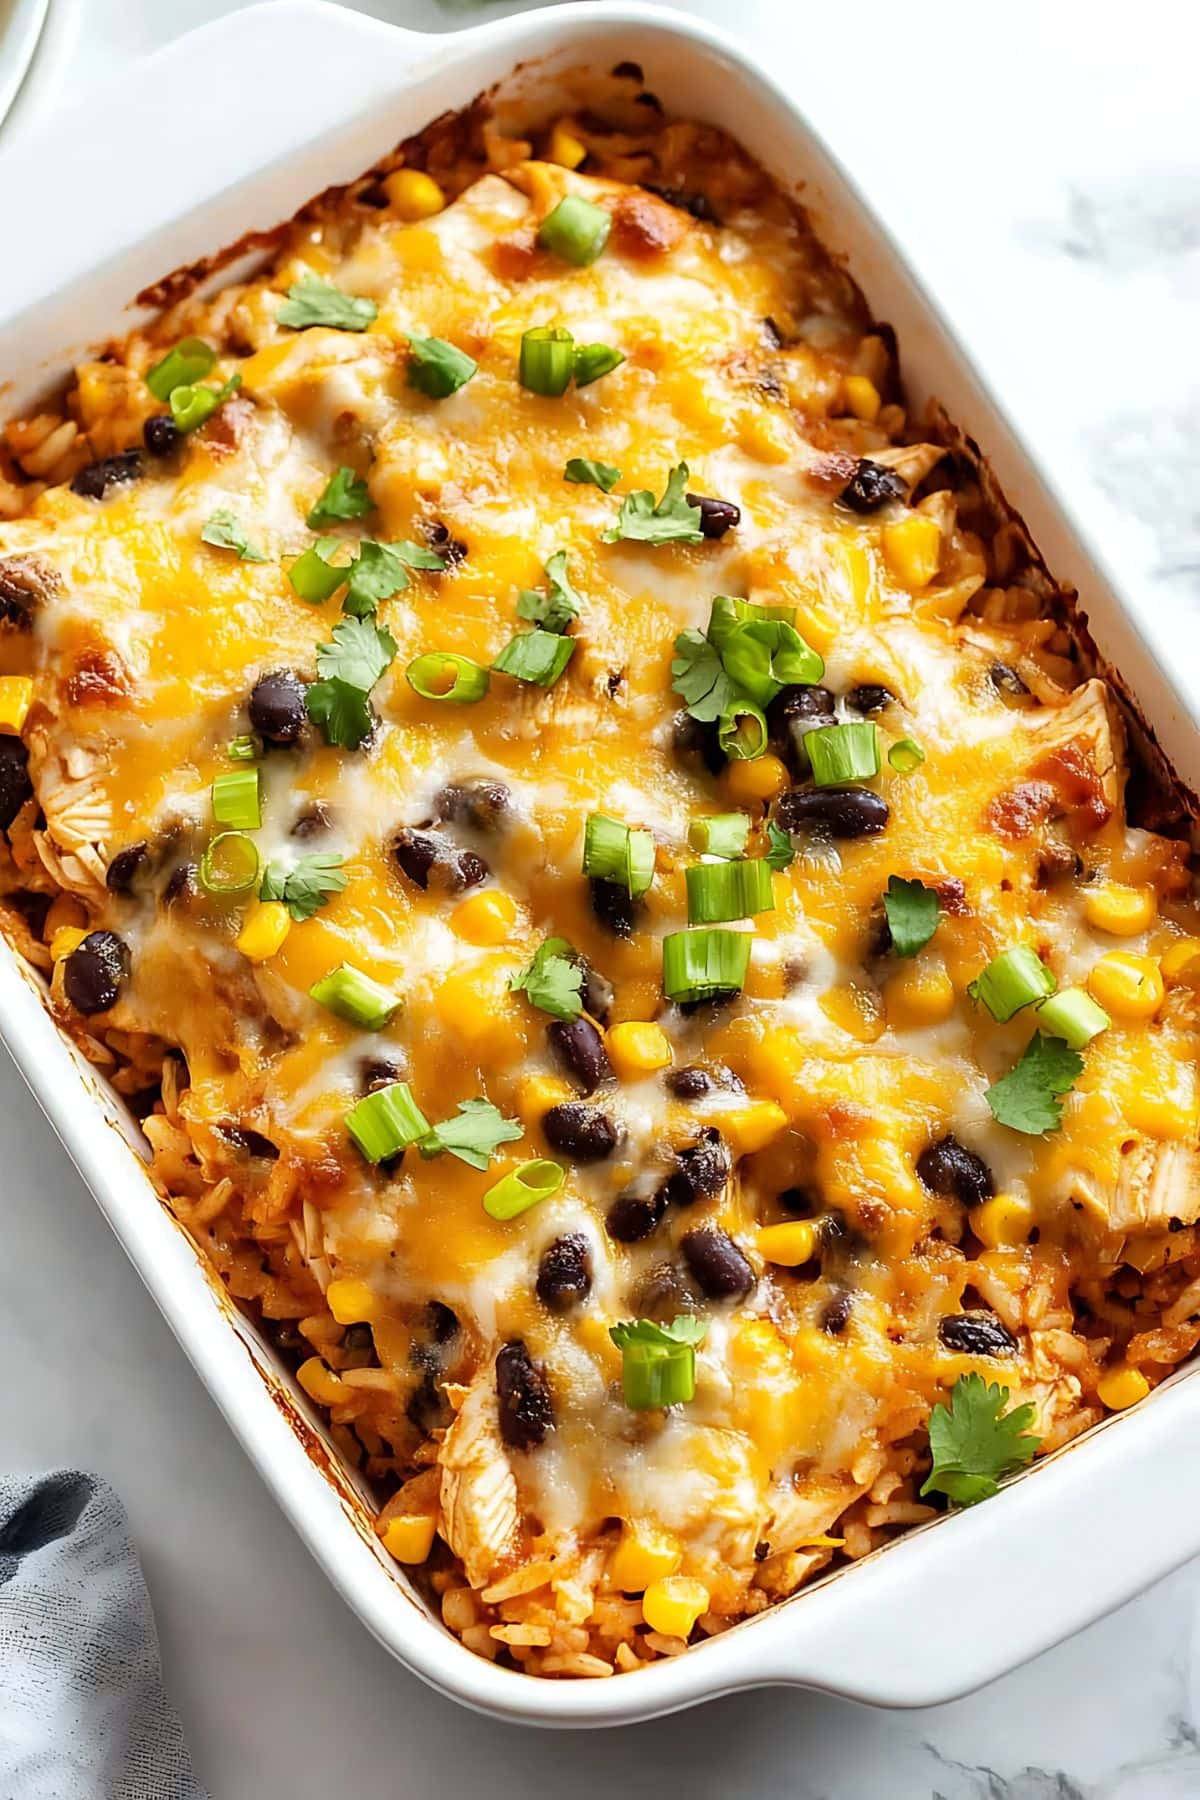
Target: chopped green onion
pixel 235 800
pixel 658 1362
pixel 243 749
pixel 699 965
pixel 594 360
pixel 229 864
pixel 537 656
pixel 437 369
pixel 840 753
pixel 547 359
pixel 728 890
pixel 353 996
pixel 719 834
pixel 742 732
pixel 191 406
pixel 387 1121
pixel 189 362
pixel 1073 1015
pixel 616 852
pixel 577 231
pixel 440 675
pixel 522 1188
pixel 906 755
pixel 314 577
pixel 728 612
pixel 1012 980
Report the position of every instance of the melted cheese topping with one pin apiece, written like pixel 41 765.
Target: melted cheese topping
pixel 816 1383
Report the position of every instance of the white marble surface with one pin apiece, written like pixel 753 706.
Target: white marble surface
pixel 1043 161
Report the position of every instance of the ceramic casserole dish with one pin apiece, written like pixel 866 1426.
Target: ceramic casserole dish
pixel 1043 1559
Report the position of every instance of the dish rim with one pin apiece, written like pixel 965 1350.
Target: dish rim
pixel 850 1634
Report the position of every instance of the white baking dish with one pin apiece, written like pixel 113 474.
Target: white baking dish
pixel 310 95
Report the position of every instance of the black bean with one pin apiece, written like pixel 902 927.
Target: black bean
pixel 716 1264
pixel 31 907
pixel 427 1408
pixel 1006 680
pixel 801 1201
pixel 688 201
pixel 314 820
pixel 481 805
pixel 360 1339
pixel 716 516
pixel 580 1048
pixel 253 1143
pixel 948 1167
pixel 564 1276
pixel 443 1321
pixel 124 866
pixel 689 1083
pixel 663 1293
pixel 94 972
pixel 872 486
pixel 277 706
pixel 836 1316
pixel 597 993
pixel 430 860
pixel 977 1333
pixel 870 697
pixel 695 742
pixel 376 1072
pixel 526 1413
pixel 161 435
pixel 843 812
pixel 27 581
pixel 800 701
pixel 93 481
pixel 632 1217
pixel 452 550
pixel 701 1169
pixel 15 785
pixel 613 906
pixel 584 1133
pixel 181 885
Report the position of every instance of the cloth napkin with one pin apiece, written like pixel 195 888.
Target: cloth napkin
pixel 83 1713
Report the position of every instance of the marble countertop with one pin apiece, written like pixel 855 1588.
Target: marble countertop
pixel 1043 163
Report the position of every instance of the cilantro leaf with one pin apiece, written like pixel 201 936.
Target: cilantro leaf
pixel 381 570
pixel 684 1328
pixel 537 656
pixel 345 497
pixel 586 473
pixel 553 981
pixel 698 675
pixel 343 712
pixel 781 851
pixel 358 655
pixel 975 1442
pixel 474 1135
pixel 912 914
pixel 672 521
pixel 315 302
pixel 224 532
pixel 1026 1098
pixel 306 887
pixel 553 611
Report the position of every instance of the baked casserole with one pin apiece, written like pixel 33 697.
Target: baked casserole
pixel 610 875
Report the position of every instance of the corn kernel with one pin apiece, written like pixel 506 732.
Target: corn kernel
pixel 266 925
pixel 769 436
pixel 413 194
pixel 1181 961
pixel 536 1095
pixel 637 1048
pixel 1120 1388
pixel 1127 986
pixel 1003 1222
pixel 16 697
pixel 673 1604
pixel 753 1127
pixel 351 1302
pixel 862 397
pixel 1122 911
pixel 319 1381
pixel 409 1536
pixel 761 779
pixel 916 997
pixel 486 918
pixel 565 148
pixel 644 1555
pixel 912 549
pixel 65 939
pixel 1159 1115
pixel 856 1010
pixel 789 1244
